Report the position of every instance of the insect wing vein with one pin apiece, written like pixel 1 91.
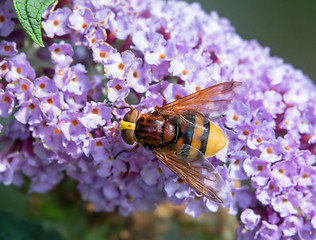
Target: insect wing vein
pixel 198 173
pixel 211 102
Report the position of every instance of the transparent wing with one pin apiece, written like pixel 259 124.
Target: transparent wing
pixel 211 102
pixel 199 173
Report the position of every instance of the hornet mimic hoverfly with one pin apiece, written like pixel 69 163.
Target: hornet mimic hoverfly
pixel 182 135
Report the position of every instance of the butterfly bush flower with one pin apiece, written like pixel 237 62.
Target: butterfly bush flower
pixel 102 56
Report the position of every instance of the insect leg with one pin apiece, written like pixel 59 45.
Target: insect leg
pixel 217 117
pixel 123 107
pixel 126 151
pixel 162 94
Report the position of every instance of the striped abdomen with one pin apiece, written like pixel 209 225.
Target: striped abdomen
pixel 197 135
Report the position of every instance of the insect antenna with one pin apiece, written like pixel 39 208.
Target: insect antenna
pixel 115 107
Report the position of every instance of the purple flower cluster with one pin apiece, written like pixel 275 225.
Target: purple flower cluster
pixel 60 119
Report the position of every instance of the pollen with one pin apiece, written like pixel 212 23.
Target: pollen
pixel 2 19
pixel 184 72
pixel 74 122
pixel 50 101
pixel 135 74
pixel 269 150
pixel 102 54
pixel 281 170
pixel 257 122
pixel 95 111
pixel 74 79
pixel 19 70
pixel 31 106
pixel 6 48
pixel 56 23
pixel 259 140
pixel 246 132
pixel 235 117
pixel 93 40
pixel 271 187
pixel 24 87
pixel 57 50
pixel 287 147
pixel 305 175
pixel 6 99
pixel 260 168
pixel 162 56
pixel 56 131
pixel 118 87
pixel 121 66
pixel 84 25
pixel 197 88
pixel 61 72
pixel 98 144
pixel 284 200
pixel 3 67
pixel 237 162
pixel 42 85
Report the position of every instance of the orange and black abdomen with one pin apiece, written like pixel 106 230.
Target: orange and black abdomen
pixel 192 136
pixel 149 129
pixel 196 135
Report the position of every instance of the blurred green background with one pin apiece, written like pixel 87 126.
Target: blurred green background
pixel 287 27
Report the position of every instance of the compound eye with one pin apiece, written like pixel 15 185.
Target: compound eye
pixel 131 116
pixel 128 126
pixel 128 136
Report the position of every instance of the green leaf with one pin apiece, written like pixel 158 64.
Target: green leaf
pixel 30 13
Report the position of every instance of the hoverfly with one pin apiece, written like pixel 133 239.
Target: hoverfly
pixel 182 135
